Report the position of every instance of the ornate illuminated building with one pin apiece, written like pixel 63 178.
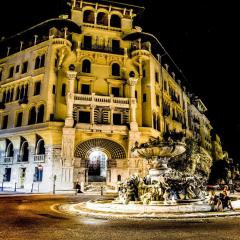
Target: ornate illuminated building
pixel 78 93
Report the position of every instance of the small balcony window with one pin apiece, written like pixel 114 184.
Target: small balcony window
pixel 5 122
pixel 11 71
pixel 85 89
pixel 37 88
pixel 116 91
pixel 19 119
pixel 84 117
pixel 24 67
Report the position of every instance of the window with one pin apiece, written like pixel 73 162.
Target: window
pixel 144 73
pixel 84 117
pixel 115 69
pixel 102 19
pixel 17 94
pixel 37 88
pixel 24 67
pixel 115 91
pixel 115 46
pixel 19 119
pixel 21 92
pixel 32 116
pixel 7 175
pixel 11 71
pixel 119 178
pixel 40 115
pixel 144 97
pixel 115 21
pixel 5 122
pixel 88 16
pixel 8 96
pixel 87 42
pixel 117 119
pixel 17 68
pixel 11 95
pixel 38 175
pixel 157 77
pixel 165 85
pixel 157 100
pixel 40 61
pixel 85 89
pixel 136 95
pixel 63 90
pixel 53 89
pixel 86 66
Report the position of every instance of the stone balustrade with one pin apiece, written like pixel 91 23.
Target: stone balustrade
pixel 106 101
pixel 39 158
pixel 6 160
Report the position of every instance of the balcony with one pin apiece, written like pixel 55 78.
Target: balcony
pixel 141 49
pixel 39 158
pixel 103 27
pixel 105 49
pixel 22 159
pixel 104 101
pixel 7 160
pixel 106 128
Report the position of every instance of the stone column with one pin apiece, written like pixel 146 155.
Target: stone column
pixel 132 81
pixel 71 75
pixel 92 113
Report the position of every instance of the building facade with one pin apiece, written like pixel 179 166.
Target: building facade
pixel 77 94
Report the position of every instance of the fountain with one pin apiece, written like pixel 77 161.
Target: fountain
pixel 163 185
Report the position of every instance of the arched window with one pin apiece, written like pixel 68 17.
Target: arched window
pixel 115 21
pixel 102 19
pixel 119 178
pixel 24 152
pixel 115 69
pixel 9 150
pixel 40 148
pixel 40 115
pixel 86 66
pixel 88 16
pixel 32 116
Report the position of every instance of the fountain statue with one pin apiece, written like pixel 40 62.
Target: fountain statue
pixel 178 172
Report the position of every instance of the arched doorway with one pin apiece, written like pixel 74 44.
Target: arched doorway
pixel 97 166
pixel 99 157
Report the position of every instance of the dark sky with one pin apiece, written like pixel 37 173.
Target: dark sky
pixel 201 36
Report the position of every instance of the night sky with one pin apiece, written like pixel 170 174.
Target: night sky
pixel 200 36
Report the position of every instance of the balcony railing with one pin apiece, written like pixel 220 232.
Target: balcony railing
pixel 39 158
pixel 99 48
pixel 21 158
pixel 6 160
pixel 92 25
pixel 106 101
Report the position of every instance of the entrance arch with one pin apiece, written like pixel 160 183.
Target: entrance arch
pixel 97 152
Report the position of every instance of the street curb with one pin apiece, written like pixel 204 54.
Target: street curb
pixel 70 209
